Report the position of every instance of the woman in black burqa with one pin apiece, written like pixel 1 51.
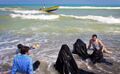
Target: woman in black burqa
pixel 79 47
pixel 66 64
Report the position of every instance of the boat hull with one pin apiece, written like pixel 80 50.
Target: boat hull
pixel 50 9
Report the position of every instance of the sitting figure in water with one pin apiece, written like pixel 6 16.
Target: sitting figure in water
pixel 96 43
pixel 23 63
pixel 79 48
pixel 66 64
pixel 98 48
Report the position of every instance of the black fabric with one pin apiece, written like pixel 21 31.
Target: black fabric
pixel 79 48
pixel 66 64
pixel 36 65
pixel 97 56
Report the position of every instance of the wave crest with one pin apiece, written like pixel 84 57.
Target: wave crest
pixel 9 9
pixel 87 7
pixel 30 16
pixel 27 11
pixel 108 20
pixel 21 11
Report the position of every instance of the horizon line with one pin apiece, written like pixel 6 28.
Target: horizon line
pixel 60 4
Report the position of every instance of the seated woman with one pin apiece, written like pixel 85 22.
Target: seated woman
pixel 66 64
pixel 79 48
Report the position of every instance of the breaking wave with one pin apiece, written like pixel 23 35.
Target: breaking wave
pixel 108 20
pixel 29 14
pixel 27 11
pixel 39 17
pixel 21 11
pixel 102 19
pixel 87 7
pixel 8 9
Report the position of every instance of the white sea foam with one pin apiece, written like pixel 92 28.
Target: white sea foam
pixel 87 7
pixel 18 9
pixel 21 11
pixel 7 48
pixel 108 20
pixel 37 17
pixel 27 11
pixel 8 9
pixel 5 42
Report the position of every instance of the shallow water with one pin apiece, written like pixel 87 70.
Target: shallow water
pixel 29 26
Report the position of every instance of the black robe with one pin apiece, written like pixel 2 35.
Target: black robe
pixel 66 64
pixel 80 49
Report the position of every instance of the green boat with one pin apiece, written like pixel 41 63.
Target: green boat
pixel 50 9
pixel 47 9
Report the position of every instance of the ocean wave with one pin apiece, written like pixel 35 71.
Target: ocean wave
pixel 31 16
pixel 108 20
pixel 9 9
pixel 87 7
pixel 21 11
pixel 27 11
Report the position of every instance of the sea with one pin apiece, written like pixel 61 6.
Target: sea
pixel 27 25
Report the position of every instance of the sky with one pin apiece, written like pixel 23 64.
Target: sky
pixel 92 2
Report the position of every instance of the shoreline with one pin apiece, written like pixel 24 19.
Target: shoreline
pixel 47 64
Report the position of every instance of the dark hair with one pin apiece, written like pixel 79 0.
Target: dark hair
pixel 94 35
pixel 24 50
pixel 19 46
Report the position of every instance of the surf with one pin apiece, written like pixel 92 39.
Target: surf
pixel 35 17
pixel 87 7
pixel 102 19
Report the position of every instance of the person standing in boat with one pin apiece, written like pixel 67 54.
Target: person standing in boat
pixel 96 43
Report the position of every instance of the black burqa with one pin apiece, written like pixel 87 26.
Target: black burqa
pixel 80 49
pixel 66 64
pixel 97 55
